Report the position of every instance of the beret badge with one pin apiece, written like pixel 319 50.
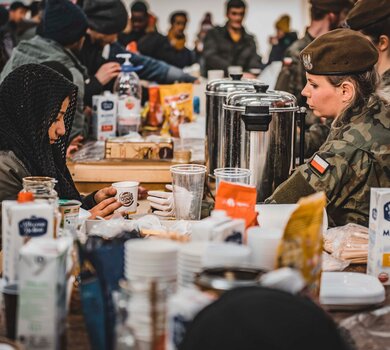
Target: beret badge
pixel 306 58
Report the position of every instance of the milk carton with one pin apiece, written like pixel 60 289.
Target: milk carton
pixel 42 293
pixel 104 116
pixel 21 222
pixel 378 263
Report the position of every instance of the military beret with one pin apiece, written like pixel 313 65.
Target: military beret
pixel 339 52
pixel 331 5
pixel 367 12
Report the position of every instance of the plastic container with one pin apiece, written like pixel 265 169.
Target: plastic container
pixel 128 88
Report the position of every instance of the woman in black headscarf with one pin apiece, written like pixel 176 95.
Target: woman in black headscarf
pixel 37 107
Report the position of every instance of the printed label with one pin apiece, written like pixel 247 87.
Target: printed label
pixel 129 110
pixel 386 260
pixel 33 227
pixel 386 210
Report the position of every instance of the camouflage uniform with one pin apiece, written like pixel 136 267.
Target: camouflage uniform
pixel 385 79
pixel 292 79
pixel 358 155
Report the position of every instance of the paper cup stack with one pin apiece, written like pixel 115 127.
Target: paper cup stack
pixel 190 262
pixel 151 270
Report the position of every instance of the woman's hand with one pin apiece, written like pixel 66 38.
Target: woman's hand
pixel 104 193
pixel 105 208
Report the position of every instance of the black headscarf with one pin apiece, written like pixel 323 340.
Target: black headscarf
pixel 30 99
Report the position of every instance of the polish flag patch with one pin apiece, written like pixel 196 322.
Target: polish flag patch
pixel 319 164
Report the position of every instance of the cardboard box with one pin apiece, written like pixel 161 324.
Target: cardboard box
pixel 21 222
pixel 104 116
pixel 115 149
pixel 42 293
pixel 378 263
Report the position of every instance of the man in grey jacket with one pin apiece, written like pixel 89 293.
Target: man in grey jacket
pixel 231 45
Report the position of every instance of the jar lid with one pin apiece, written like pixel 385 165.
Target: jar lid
pixel 221 87
pixel 226 278
pixel 277 101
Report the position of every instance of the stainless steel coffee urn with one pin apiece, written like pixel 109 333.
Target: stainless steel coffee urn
pixel 216 92
pixel 259 134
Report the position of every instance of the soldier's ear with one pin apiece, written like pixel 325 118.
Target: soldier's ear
pixel 383 44
pixel 348 91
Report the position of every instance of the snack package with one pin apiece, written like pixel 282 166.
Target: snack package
pixel 155 115
pixel 238 201
pixel 301 245
pixel 176 101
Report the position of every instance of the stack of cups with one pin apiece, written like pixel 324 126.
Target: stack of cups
pixel 190 262
pixel 226 255
pixel 151 271
pixel 235 175
pixel 188 182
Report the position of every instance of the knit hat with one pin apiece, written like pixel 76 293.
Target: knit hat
pixel 106 16
pixel 339 52
pixel 283 23
pixel 254 318
pixel 63 22
pixel 367 12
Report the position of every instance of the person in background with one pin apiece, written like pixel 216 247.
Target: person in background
pixel 372 18
pixel 171 48
pixel 59 37
pixel 17 12
pixel 29 27
pixel 283 39
pixel 6 43
pixel 100 48
pixel 325 16
pixel 140 23
pixel 341 85
pixel 231 45
pixel 257 318
pixel 36 113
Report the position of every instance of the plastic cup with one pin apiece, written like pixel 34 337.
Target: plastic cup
pixel 10 296
pixel 188 182
pixel 127 195
pixel 264 245
pixel 215 74
pixel 69 210
pixel 235 175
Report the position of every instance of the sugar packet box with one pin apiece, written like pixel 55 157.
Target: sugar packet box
pixel 21 222
pixel 378 263
pixel 104 116
pixel 42 293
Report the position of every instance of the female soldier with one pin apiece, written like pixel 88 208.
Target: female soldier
pixel 341 81
pixel 37 107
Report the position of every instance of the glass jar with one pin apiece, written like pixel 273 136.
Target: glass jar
pixel 43 189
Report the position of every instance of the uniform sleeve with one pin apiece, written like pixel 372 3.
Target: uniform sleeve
pixel 337 178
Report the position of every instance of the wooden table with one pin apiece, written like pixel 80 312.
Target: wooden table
pixel 91 176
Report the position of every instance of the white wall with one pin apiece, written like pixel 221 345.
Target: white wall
pixel 260 18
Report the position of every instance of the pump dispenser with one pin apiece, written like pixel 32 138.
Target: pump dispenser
pixel 128 88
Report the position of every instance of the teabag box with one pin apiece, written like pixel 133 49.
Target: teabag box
pixel 42 293
pixel 378 263
pixel 104 116
pixel 21 222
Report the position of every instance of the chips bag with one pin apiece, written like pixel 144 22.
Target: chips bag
pixel 301 245
pixel 239 202
pixel 176 101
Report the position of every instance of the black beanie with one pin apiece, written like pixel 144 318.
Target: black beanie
pixel 63 22
pixel 106 16
pixel 254 318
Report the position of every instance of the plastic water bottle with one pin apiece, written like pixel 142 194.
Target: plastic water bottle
pixel 128 88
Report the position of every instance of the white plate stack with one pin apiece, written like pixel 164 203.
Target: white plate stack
pixel 151 269
pixel 151 259
pixel 226 255
pixel 190 262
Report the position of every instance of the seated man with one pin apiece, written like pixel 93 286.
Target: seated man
pixel 231 45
